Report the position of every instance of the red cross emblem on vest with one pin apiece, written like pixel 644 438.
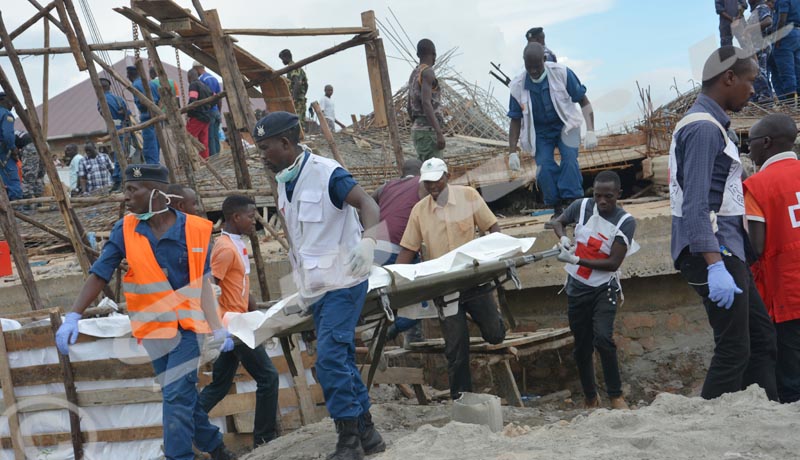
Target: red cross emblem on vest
pixel 794 213
pixel 590 250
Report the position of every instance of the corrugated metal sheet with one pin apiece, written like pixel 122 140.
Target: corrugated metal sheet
pixel 74 111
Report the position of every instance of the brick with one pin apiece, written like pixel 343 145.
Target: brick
pixel 638 320
pixel 675 322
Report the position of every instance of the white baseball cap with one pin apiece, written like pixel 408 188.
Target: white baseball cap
pixel 432 170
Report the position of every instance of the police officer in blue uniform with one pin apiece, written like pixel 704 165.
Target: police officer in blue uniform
pixel 8 149
pixel 150 150
pixel 119 113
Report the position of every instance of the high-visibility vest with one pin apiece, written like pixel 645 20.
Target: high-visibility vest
pixel 777 272
pixel 154 308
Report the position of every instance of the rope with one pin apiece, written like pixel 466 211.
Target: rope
pixel 180 77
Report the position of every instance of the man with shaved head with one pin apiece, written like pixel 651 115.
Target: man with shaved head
pixel 708 236
pixel 544 115
pixel 425 104
pixel 772 207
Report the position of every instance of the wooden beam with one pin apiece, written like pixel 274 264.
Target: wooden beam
pixel 51 231
pixel 46 81
pixel 229 70
pixel 175 25
pixel 27 24
pixel 72 39
pixel 307 411
pixel 30 119
pixel 18 252
pixel 391 115
pixel 201 13
pixel 9 398
pixel 71 393
pixel 105 111
pixel 374 72
pixel 326 132
pixel 301 32
pixel 113 46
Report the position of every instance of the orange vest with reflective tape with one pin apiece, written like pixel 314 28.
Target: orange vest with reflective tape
pixel 154 308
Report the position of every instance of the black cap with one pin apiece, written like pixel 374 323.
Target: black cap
pixel 533 32
pixel 131 68
pixel 273 124
pixel 149 173
pixel 104 81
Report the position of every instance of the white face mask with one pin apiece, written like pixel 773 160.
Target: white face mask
pixel 289 174
pixel 541 77
pixel 150 213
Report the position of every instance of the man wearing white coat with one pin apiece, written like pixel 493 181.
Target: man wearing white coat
pixel 544 115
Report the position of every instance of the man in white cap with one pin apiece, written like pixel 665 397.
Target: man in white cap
pixel 445 220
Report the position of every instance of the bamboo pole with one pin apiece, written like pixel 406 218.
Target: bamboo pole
pixel 31 120
pixel 105 111
pixel 326 132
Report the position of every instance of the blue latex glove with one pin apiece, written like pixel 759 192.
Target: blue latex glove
pixel 721 286
pixel 224 337
pixel 67 334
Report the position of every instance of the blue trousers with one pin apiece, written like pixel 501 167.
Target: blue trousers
pixel 175 363
pixel 213 133
pixel 10 176
pixel 335 318
pixel 787 62
pixel 150 148
pixel 558 181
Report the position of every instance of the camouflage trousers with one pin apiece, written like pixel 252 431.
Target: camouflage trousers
pixel 32 183
pixel 300 110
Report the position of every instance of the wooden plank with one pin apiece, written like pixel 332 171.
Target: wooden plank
pixel 538 336
pixel 70 393
pixel 505 384
pixel 110 435
pixel 374 72
pixel 307 412
pixel 85 371
pixel 176 25
pixel 245 402
pixel 396 375
pixel 17 443
pixel 301 32
pixel 422 396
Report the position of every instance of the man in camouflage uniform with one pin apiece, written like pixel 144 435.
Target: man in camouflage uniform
pixel 32 169
pixel 425 105
pixel 298 86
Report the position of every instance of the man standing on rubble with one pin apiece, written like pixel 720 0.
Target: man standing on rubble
pixel 425 105
pixel 9 172
pixel 443 221
pixel 331 261
pixel 120 114
pixel 199 118
pixel 230 266
pixel 170 302
pixel 730 15
pixel 603 238
pixel 216 109
pixel 786 51
pixel 708 235
pixel 150 147
pixel 775 237
pixel 298 86
pixel 544 115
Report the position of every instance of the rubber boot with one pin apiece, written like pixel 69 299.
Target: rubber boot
pixel 619 403
pixel 371 440
pixel 348 447
pixel 222 453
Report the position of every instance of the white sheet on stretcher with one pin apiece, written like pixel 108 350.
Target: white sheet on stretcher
pixel 257 326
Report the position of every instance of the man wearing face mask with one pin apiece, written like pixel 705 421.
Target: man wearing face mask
pixel 331 261
pixel 544 115
pixel 170 302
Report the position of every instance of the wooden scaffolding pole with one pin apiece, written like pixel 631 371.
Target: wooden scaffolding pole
pixel 391 115
pixel 70 392
pixel 31 121
pixel 302 32
pixel 71 38
pixel 374 71
pixel 326 132
pixel 12 234
pixel 27 24
pixel 46 82
pixel 10 400
pixel 105 111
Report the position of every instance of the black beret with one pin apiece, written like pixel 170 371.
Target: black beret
pixel 131 68
pixel 533 32
pixel 104 80
pixel 273 124
pixel 149 173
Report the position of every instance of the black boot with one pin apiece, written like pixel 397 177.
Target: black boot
pixel 222 453
pixel 371 440
pixel 348 447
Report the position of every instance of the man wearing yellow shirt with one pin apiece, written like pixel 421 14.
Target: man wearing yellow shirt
pixel 443 221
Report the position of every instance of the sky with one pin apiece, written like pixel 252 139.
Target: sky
pixel 610 44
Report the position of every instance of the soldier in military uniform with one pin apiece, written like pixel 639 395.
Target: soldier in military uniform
pixel 8 150
pixel 32 169
pixel 298 86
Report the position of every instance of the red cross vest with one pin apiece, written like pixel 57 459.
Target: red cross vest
pixel 777 273
pixel 594 240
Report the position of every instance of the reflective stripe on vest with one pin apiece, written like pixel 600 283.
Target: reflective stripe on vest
pixel 155 309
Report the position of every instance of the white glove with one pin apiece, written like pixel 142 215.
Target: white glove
pixel 590 141
pixel 217 290
pixel 566 243
pixel 513 161
pixel 359 262
pixel 567 257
